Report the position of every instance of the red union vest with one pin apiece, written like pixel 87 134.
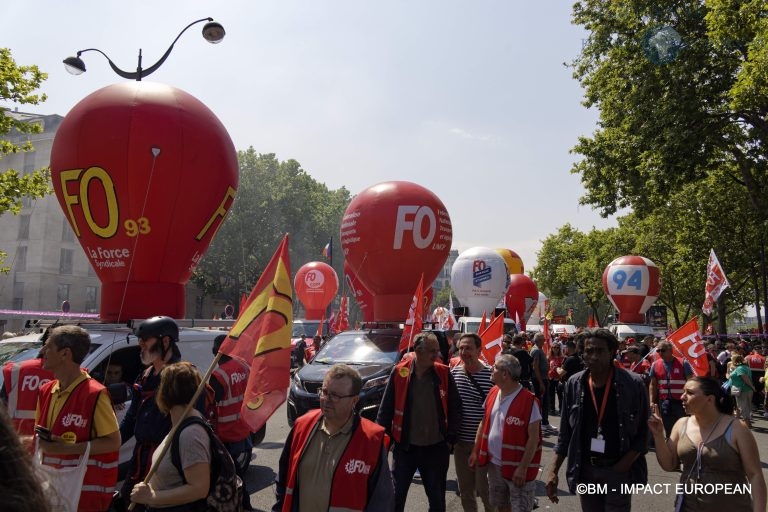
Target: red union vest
pixel 755 361
pixel 233 377
pixel 514 436
pixel 349 487
pixel 673 390
pixel 22 383
pixel 76 416
pixel 402 377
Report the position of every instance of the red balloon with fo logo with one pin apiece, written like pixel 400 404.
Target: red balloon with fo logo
pixel 361 294
pixel 632 284
pixel 145 174
pixel 316 284
pixel 392 233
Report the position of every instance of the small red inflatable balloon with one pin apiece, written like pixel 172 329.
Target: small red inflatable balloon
pixel 392 233
pixel 632 284
pixel 316 284
pixel 361 294
pixel 521 298
pixel 145 174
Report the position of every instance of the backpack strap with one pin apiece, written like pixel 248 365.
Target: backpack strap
pixel 175 455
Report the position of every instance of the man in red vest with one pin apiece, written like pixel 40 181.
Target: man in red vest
pixel 21 386
pixel 229 382
pixel 668 376
pixel 421 410
pixel 333 459
pixel 76 409
pixel 509 437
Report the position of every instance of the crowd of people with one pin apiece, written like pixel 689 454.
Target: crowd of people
pixel 616 399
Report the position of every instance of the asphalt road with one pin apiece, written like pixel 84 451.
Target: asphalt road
pixel 264 466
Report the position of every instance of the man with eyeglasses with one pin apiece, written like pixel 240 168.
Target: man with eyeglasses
pixel 668 375
pixel 604 434
pixel 508 439
pixel 421 410
pixel 333 459
pixel 75 410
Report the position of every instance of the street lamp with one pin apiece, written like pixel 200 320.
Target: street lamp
pixel 213 32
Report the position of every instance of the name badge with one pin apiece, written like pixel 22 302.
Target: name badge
pixel 597 445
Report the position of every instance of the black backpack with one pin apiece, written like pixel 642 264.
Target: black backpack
pixel 226 491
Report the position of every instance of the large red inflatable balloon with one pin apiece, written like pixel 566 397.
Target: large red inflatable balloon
pixel 392 233
pixel 632 284
pixel 362 295
pixel 316 284
pixel 521 298
pixel 145 174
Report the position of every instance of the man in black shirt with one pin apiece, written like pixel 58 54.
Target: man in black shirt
pixel 572 364
pixel 526 361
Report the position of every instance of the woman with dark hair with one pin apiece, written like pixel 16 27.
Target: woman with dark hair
pixel 19 485
pixel 555 358
pixel 714 448
pixel 167 488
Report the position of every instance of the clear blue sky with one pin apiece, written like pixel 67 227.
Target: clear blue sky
pixel 470 99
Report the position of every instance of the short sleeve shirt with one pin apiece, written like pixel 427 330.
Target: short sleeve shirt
pixel 497 420
pixel 104 420
pixel 194 448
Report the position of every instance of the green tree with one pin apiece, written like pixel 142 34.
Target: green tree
pixel 17 86
pixel 273 198
pixel 666 122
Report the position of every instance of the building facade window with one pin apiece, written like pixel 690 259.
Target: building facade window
pixel 21 259
pixel 67 234
pixel 24 227
pixel 91 297
pixel 65 262
pixel 62 294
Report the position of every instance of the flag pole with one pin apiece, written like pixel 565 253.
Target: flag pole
pixel 187 409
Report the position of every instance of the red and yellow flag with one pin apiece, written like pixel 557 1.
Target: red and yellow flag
pixel 687 341
pixel 261 338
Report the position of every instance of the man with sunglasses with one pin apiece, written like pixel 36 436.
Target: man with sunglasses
pixel 668 376
pixel 74 410
pixel 333 459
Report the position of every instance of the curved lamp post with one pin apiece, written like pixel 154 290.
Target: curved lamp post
pixel 213 32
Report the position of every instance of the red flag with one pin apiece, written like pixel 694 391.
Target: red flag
pixel 261 337
pixel 415 315
pixel 243 302
pixel 716 283
pixel 687 341
pixel 483 324
pixel 591 323
pixel 343 316
pixel 492 336
pixel 320 326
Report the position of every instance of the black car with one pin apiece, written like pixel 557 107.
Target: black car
pixel 372 352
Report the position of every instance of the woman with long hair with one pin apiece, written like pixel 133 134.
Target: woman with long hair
pixel 555 358
pixel 714 448
pixel 19 484
pixel 167 488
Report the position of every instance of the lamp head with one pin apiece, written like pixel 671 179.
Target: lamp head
pixel 74 65
pixel 213 32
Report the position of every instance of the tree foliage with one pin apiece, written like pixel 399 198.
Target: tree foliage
pixel 273 198
pixel 18 85
pixel 666 124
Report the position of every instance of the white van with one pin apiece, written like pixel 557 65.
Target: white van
pixel 472 324
pixel 636 331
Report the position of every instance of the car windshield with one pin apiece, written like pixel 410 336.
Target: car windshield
pixel 309 329
pixel 360 348
pixel 18 350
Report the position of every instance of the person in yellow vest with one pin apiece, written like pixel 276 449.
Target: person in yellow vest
pixel 508 439
pixel 421 410
pixel 333 459
pixel 76 409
